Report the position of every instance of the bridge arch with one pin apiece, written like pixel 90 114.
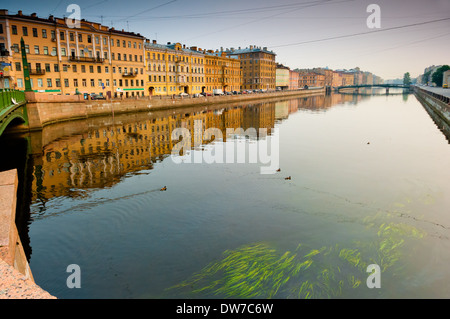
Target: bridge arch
pixel 16 117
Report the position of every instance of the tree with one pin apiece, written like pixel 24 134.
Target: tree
pixel 437 75
pixel 407 79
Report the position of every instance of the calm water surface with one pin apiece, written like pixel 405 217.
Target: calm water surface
pixel 369 185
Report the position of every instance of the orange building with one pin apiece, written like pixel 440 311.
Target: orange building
pixel 311 79
pixel 258 67
pixel 222 72
pixel 64 59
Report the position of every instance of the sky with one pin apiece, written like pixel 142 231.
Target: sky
pixel 412 34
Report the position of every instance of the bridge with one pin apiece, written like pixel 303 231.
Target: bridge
pixel 387 86
pixel 12 108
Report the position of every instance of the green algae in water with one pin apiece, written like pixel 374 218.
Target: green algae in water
pixel 259 270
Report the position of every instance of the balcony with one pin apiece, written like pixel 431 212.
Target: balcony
pixel 36 72
pixel 85 59
pixel 129 74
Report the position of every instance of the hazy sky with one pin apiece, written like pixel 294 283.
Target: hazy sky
pixel 303 33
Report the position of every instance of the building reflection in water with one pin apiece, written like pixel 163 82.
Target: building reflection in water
pixel 102 154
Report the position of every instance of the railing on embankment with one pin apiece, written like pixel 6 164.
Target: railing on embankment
pixel 440 104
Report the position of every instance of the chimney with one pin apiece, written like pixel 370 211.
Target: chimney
pixel 50 18
pixel 154 42
pixel 33 15
pixel 184 46
pixel 194 48
pixel 168 43
pixel 19 13
pixel 4 12
pixel 147 40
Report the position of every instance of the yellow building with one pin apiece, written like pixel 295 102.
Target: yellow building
pixel 64 59
pixel 173 69
pixel 258 67
pixel 222 72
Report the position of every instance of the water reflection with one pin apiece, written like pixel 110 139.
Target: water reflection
pixel 228 231
pixel 103 154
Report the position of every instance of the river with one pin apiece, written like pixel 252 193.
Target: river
pixel 362 180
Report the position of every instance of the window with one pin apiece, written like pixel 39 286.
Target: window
pixel 107 82
pixel 38 66
pixel 74 68
pixel 18 66
pixel 25 31
pixel 118 56
pixel 44 33
pixel 15 48
pixel 46 50
pixel 49 83
pixel 75 82
pixel 100 82
pixel 118 43
pixel 47 67
pixel 53 34
pixel 61 35
pixel 58 83
pixel 56 67
pixel 40 83
pixel 14 29
pixel 80 37
pixel 27 48
pixel 91 69
pixel 124 43
pixel 63 52
pixel 36 49
pixel 99 69
pixel 84 82
pixel 97 40
pixel 83 68
pixel 54 52
pixel 20 83
pixel 71 36
pixel 89 39
pixel 113 56
pixel 92 82
pixel 35 33
pixel 106 69
pixel 124 57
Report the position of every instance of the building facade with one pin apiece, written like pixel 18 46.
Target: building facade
pixel 282 77
pixel 173 69
pixel 222 72
pixel 67 59
pixel 293 80
pixel 258 67
pixel 311 79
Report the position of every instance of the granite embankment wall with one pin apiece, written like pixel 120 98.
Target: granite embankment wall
pixel 16 279
pixel 42 113
pixel 438 103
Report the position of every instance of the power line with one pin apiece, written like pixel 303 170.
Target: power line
pixel 360 33
pixel 311 4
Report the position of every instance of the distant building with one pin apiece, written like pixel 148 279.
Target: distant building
pixel 282 77
pixel 293 80
pixel 258 67
pixel 311 79
pixel 446 78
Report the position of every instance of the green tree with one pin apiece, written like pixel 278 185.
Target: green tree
pixel 407 79
pixel 426 77
pixel 437 75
